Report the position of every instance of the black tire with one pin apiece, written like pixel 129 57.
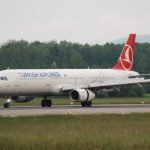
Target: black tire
pixel 6 105
pixel 83 104
pixel 86 104
pixel 43 103
pixel 89 103
pixel 48 103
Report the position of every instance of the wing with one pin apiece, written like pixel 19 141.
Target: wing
pixel 108 84
pixel 116 83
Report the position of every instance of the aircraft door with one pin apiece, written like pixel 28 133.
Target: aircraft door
pixel 13 84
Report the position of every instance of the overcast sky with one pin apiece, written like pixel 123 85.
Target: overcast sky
pixel 82 21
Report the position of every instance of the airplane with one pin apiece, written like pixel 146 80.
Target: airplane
pixel 22 85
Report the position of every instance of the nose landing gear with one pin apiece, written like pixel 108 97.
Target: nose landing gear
pixel 7 103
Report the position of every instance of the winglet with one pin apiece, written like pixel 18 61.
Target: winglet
pixel 125 61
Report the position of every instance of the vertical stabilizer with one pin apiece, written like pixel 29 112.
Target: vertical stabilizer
pixel 125 61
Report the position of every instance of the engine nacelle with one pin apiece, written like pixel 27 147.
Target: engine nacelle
pixel 22 99
pixel 81 95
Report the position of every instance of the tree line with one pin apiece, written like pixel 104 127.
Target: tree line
pixel 23 55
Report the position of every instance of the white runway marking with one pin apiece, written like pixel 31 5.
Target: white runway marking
pixel 74 110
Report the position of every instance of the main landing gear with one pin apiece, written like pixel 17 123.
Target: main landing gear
pixel 86 104
pixel 46 102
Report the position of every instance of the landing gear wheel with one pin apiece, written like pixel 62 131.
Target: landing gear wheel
pixel 43 103
pixel 48 103
pixel 6 105
pixel 89 104
pixel 86 104
pixel 83 104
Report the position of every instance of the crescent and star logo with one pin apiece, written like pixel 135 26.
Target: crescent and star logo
pixel 126 57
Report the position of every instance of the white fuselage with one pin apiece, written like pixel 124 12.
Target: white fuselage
pixel 51 81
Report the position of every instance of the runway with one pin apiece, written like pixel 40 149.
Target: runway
pixel 74 110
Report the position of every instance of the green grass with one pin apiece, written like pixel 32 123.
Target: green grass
pixel 66 101
pixel 70 132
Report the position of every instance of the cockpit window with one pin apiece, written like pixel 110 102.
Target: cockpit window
pixel 3 78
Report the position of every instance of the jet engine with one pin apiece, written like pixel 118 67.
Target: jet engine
pixel 22 99
pixel 82 95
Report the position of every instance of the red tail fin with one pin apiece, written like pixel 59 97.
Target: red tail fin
pixel 125 60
